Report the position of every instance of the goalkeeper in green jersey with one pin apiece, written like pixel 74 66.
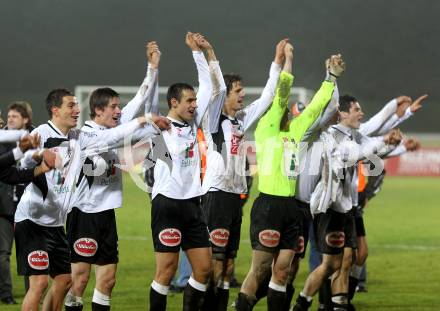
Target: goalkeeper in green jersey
pixel 275 216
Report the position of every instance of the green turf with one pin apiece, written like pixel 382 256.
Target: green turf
pixel 403 232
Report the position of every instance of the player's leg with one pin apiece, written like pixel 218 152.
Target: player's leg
pixel 166 218
pixel 106 259
pixel 59 268
pixel 340 281
pixel 32 260
pixel 329 229
pixel 80 278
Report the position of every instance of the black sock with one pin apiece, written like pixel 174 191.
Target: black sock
pixel 301 304
pixel 245 303
pixel 275 299
pixel 290 290
pixel 98 307
pixel 262 287
pixel 325 294
pixel 71 308
pixel 158 302
pixel 222 299
pixel 192 298
pixel 352 284
pixel 210 299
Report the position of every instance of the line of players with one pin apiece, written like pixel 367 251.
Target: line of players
pixel 85 186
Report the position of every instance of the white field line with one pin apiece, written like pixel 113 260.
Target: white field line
pixel 383 246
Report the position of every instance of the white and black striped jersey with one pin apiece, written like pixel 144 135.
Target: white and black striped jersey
pixel 47 200
pixel 226 157
pixel 176 152
pixel 103 190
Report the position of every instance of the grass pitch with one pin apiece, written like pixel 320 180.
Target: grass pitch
pixel 403 230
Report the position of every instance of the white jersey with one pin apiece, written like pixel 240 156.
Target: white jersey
pixel 226 157
pixel 47 200
pixel 177 168
pixel 103 192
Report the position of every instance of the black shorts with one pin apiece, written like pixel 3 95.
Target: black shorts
pixel 92 237
pixel 223 212
pixel 41 250
pixel 334 231
pixel 275 223
pixel 306 219
pixel 178 224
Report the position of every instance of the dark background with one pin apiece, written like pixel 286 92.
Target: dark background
pixel 391 47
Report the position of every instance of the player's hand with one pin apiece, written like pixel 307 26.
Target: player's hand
pixel 417 104
pixel 288 51
pixel 202 42
pixel 162 122
pixel 336 65
pixel 403 102
pixel 191 42
pixel 394 137
pixel 279 51
pixel 411 144
pixel 153 54
pixel 29 142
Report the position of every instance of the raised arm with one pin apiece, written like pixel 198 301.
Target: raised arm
pixel 305 120
pixel 403 114
pixel 205 86
pixel 11 136
pixel 212 116
pixel 145 92
pixel 384 116
pixel 253 112
pixel 270 124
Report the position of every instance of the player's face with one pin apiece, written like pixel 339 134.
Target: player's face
pixel 67 115
pixel 110 115
pixel 16 121
pixel 236 96
pixel 354 116
pixel 186 107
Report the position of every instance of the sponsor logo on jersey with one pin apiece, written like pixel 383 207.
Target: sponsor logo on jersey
pixel 300 246
pixel 85 247
pixel 170 237
pixel 219 237
pixel 189 151
pixel 38 260
pixel 335 239
pixel 235 143
pixel 269 238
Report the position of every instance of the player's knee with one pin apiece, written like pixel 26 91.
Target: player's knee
pixel 280 275
pixel 107 284
pixel 39 285
pixel 203 270
pixel 261 272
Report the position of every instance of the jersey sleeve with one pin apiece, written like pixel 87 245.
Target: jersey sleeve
pixel 205 86
pixel 299 125
pixel 269 124
pixel 254 111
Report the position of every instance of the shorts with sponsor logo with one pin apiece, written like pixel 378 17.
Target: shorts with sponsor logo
pixel 178 224
pixel 306 219
pixel 92 237
pixel 223 212
pixel 275 224
pixel 334 231
pixel 41 250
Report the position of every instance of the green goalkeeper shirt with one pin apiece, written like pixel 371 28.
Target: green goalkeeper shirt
pixel 277 157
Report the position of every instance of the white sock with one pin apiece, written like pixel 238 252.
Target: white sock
pixel 340 300
pixel 161 289
pixel 100 298
pixel 308 298
pixel 224 285
pixel 278 288
pixel 72 300
pixel 199 286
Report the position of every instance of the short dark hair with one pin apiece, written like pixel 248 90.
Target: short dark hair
pixel 230 79
pixel 175 91
pixel 345 102
pixel 23 108
pixel 55 99
pixel 100 99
